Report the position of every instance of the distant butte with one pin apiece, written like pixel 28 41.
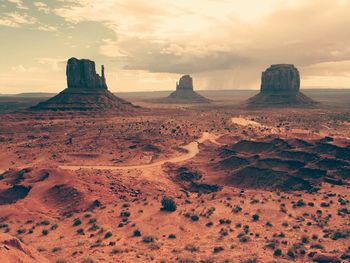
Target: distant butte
pixel 184 92
pixel 280 87
pixel 86 90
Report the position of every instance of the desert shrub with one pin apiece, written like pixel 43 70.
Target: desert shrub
pixel 255 217
pixel 45 223
pixel 77 222
pixel 56 249
pixel 137 233
pixel 115 251
pixel 108 234
pixel 341 234
pixel 92 221
pixel 148 239
pixel 191 248
pixel 209 224
pixel 244 239
pixel 290 253
pixel 225 221
pixel 125 214
pixel 305 239
pixel 277 252
pixel 300 203
pixel 218 249
pixel 94 227
pixel 168 204
pixel 316 246
pixel 45 232
pixel 194 218
pixel 236 209
pixel 21 231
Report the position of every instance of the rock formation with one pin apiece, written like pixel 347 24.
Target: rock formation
pixel 184 92
pixel 81 74
pixel 86 90
pixel 185 83
pixel 280 85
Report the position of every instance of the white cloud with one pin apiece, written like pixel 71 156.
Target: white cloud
pixel 47 28
pixel 19 4
pixel 16 19
pixel 42 7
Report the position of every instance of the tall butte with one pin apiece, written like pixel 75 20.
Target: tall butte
pixel 86 90
pixel 280 87
pixel 184 92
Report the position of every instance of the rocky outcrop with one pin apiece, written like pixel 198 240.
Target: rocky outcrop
pixel 86 90
pixel 184 93
pixel 280 77
pixel 185 83
pixel 81 74
pixel 280 85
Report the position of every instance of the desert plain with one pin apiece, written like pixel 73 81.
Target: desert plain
pixel 176 183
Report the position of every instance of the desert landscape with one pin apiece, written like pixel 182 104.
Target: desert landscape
pixel 217 182
pixel 183 131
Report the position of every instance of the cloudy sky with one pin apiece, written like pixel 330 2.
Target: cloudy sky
pixel 147 45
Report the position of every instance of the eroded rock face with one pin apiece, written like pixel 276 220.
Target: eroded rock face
pixel 280 77
pixel 81 74
pixel 280 87
pixel 185 83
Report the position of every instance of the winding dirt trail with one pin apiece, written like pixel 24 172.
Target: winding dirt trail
pixel 191 148
pixel 244 122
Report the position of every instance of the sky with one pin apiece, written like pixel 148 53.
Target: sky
pixel 147 45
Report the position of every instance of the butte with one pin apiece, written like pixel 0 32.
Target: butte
pixel 86 90
pixel 280 87
pixel 184 93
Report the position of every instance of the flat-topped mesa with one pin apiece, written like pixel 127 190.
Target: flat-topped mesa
pixel 280 78
pixel 280 87
pixel 185 83
pixel 81 74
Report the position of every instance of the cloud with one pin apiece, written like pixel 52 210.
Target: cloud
pixel 170 38
pixel 47 28
pixel 223 44
pixel 19 4
pixel 16 19
pixel 42 7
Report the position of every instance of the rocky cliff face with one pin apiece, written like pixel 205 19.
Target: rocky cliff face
pixel 185 83
pixel 280 85
pixel 81 74
pixel 280 77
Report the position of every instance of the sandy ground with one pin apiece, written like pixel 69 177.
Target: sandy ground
pixel 89 188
